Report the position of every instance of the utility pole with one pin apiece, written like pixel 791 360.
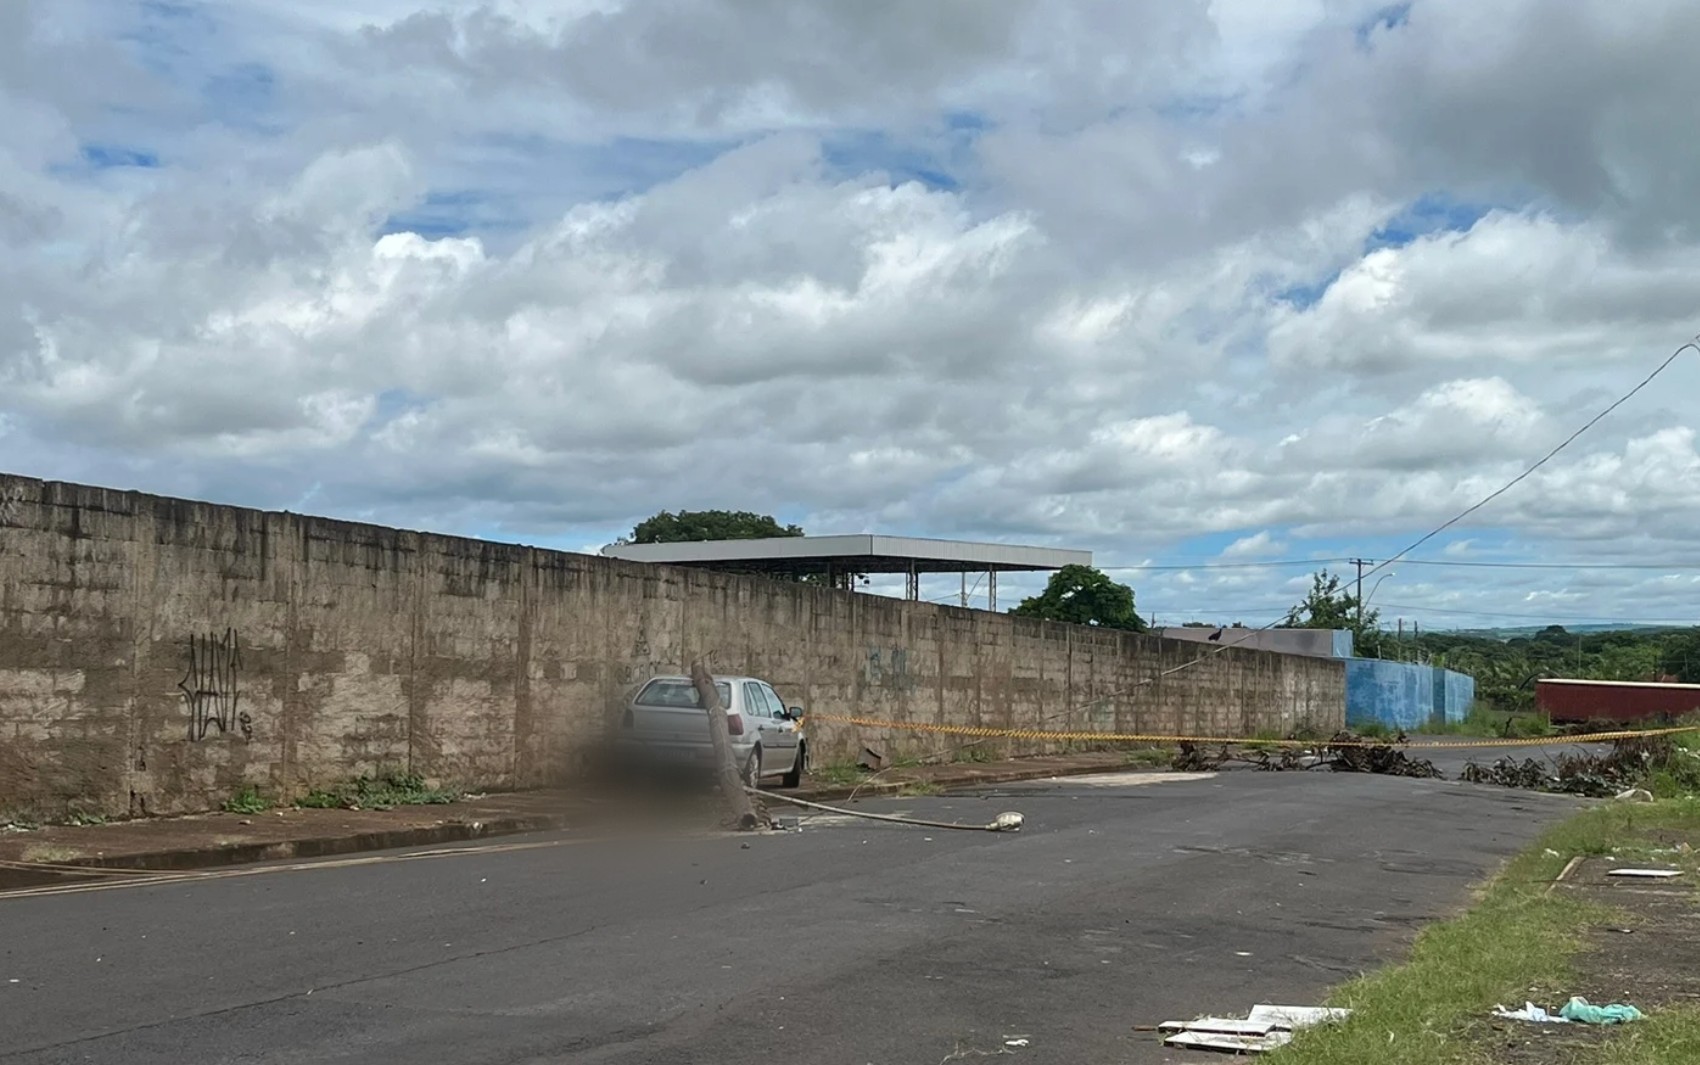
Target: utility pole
pixel 1358 562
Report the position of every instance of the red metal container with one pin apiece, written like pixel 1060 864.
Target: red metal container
pixel 1614 700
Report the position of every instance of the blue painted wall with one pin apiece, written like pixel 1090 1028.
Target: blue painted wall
pixel 1404 694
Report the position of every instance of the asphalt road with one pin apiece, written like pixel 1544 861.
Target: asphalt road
pixel 1117 905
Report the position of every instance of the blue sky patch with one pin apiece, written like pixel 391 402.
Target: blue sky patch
pixel 453 214
pixel 110 156
pixel 858 152
pixel 1303 297
pixel 1434 212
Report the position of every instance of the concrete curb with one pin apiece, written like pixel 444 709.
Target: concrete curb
pixel 321 846
pixel 329 845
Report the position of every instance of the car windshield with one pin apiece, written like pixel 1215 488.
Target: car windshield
pixel 680 694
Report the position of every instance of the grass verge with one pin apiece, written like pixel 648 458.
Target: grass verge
pixel 1518 935
pixel 1670 1037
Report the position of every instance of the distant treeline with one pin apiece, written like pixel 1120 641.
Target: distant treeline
pixel 1506 669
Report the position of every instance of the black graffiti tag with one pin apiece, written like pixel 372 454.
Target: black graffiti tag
pixel 210 686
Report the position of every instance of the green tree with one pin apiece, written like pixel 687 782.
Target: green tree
pixel 687 525
pixel 1328 605
pixel 1084 596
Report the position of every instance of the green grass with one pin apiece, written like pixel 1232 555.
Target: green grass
pixel 1150 756
pixel 378 793
pixel 839 774
pixel 1517 936
pixel 1481 721
pixel 1668 1037
pixel 247 801
pixel 920 787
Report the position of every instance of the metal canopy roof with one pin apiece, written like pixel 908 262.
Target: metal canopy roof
pixel 860 553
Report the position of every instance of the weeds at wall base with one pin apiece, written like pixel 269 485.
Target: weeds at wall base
pixel 378 793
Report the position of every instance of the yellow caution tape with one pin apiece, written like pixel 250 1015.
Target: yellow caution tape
pixel 979 732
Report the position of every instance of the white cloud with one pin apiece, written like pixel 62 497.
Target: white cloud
pixel 1258 545
pixel 1144 277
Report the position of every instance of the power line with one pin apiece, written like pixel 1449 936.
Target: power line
pixel 1551 565
pixel 1466 512
pixel 1544 459
pixel 1228 565
pixel 1278 563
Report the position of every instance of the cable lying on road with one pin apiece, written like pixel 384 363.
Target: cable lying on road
pixel 1005 822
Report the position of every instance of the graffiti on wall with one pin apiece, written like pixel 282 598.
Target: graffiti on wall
pixel 890 668
pixel 210 687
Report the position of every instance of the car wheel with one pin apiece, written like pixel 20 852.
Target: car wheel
pixel 794 778
pixel 752 769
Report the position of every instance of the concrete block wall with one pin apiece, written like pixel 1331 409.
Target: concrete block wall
pixel 1326 643
pixel 156 655
pixel 1405 695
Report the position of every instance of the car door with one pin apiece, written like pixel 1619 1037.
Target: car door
pixel 759 716
pixel 785 733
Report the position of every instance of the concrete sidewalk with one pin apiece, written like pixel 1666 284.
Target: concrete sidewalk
pixel 63 852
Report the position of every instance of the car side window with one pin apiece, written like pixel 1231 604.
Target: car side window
pixel 776 704
pixel 755 703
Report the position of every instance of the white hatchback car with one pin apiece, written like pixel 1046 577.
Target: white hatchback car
pixel 665 726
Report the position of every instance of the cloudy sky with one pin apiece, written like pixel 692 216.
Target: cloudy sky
pixel 1198 285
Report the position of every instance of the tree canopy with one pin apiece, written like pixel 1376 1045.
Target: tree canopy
pixel 688 525
pixel 1328 606
pixel 1084 596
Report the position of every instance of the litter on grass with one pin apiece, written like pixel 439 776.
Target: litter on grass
pixel 1530 1012
pixel 1582 1011
pixel 1578 1009
pixel 1265 1028
pixel 1647 874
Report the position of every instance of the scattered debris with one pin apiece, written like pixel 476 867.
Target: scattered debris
pixel 1646 874
pixel 1508 772
pixel 1344 752
pixel 1582 1011
pixel 1017 1041
pixel 1191 757
pixel 1380 758
pixel 1616 774
pixel 1007 822
pixel 871 760
pixel 1232 1044
pixel 1298 1016
pixel 1530 1012
pixel 1578 1009
pixel 1265 1028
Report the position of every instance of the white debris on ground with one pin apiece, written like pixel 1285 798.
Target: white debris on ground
pixel 1264 1028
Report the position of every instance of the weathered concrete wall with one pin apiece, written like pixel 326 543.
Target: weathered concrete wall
pixel 1323 643
pixel 1405 695
pixel 158 654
